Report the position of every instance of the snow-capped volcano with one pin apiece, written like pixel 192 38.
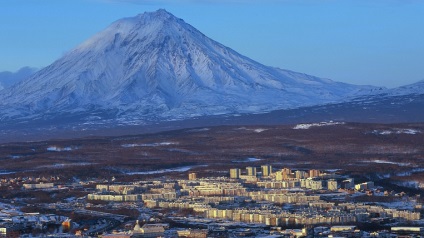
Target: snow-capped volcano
pixel 156 66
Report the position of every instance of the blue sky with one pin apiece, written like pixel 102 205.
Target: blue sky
pixel 378 42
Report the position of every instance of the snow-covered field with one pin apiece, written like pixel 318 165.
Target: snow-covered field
pixel 162 171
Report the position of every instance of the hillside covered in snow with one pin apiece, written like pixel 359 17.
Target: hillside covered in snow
pixel 155 66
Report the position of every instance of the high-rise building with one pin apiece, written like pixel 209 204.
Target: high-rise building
pixel 285 173
pixel 192 176
pixel 235 173
pixel 279 175
pixel 300 174
pixel 332 184
pixel 364 186
pixel 251 171
pixel 266 170
pixel 316 184
pixel 314 173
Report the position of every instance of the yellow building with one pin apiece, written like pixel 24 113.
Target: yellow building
pixel 192 176
pixel 235 173
pixel 251 171
pixel 266 170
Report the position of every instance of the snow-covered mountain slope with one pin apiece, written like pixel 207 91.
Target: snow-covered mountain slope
pixel 155 66
pixel 8 79
pixel 404 94
pixel 415 88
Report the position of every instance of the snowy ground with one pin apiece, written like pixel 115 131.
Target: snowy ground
pixel 319 124
pixel 401 205
pixel 257 130
pixel 199 130
pixel 65 165
pixel 149 145
pixel 377 161
pixel 6 172
pixel 247 160
pixel 396 131
pixel 162 171
pixel 59 149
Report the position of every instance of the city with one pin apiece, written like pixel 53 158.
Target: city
pixel 250 202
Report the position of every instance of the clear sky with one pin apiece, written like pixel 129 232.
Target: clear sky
pixel 378 42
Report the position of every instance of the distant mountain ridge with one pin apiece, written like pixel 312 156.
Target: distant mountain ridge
pixel 415 88
pixel 154 66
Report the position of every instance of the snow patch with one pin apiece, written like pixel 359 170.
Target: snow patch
pixel 408 184
pixel 402 174
pixel 377 161
pixel 257 130
pixel 319 124
pixel 252 159
pixel 332 170
pixel 65 165
pixel 149 145
pixel 59 149
pixel 396 131
pixel 199 130
pixel 400 205
pixel 162 171
pixel 6 172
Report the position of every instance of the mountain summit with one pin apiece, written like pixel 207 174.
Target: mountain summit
pixel 155 66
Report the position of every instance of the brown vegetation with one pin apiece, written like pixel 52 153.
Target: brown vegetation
pixel 354 148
